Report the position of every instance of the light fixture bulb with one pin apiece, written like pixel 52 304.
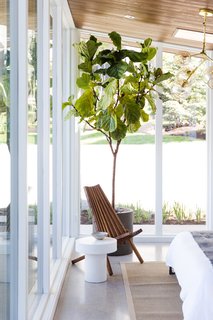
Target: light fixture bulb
pixel 209 71
pixel 181 93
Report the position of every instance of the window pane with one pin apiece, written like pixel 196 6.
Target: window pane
pixel 135 176
pixel 32 146
pixel 184 148
pixel 135 173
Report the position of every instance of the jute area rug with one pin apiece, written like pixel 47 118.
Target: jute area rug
pixel 152 294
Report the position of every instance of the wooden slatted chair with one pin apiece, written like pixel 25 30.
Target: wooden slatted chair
pixel 106 219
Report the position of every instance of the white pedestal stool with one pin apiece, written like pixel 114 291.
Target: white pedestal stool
pixel 95 252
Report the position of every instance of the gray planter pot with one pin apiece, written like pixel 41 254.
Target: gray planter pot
pixel 126 217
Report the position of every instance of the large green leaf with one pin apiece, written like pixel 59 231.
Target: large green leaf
pixel 131 67
pixel 118 56
pixel 69 102
pixel 151 53
pixel 151 102
pixel 92 47
pixel 134 127
pixel 131 79
pixel 117 70
pixel 93 38
pixel 65 104
pixel 142 102
pixel 136 56
pixel 163 77
pixel 103 56
pixel 147 42
pixel 85 66
pixel 105 102
pixel 127 88
pixel 120 132
pixel 144 116
pixel 116 39
pixel 119 111
pixel 82 49
pixel 98 121
pixel 85 104
pixel 132 112
pixel 107 122
pixel 108 96
pixel 83 81
pixel 111 87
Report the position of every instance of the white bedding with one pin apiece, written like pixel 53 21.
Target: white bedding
pixel 194 272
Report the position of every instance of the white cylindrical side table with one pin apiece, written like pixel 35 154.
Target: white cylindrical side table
pixel 95 256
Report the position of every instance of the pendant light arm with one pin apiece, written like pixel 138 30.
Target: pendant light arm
pixel 205 12
pixel 204 34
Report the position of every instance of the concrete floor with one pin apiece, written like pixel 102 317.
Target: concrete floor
pixel 81 300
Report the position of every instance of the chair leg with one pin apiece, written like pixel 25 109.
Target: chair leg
pixel 171 271
pixel 78 259
pixel 135 250
pixel 33 258
pixel 109 268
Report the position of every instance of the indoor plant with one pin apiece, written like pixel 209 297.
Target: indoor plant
pixel 117 90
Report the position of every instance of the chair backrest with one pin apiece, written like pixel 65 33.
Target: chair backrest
pixel 104 215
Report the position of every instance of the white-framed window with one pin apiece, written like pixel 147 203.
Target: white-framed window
pixel 31 99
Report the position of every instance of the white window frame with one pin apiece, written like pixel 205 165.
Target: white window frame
pixel 158 155
pixel 75 196
pixel 43 146
pixel 209 137
pixel 18 150
pixel 51 273
pixel 48 278
pixel 66 135
pixel 57 132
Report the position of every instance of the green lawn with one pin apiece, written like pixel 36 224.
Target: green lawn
pixel 32 138
pixel 98 138
pixel 132 138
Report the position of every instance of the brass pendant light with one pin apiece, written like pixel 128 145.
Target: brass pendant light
pixel 202 55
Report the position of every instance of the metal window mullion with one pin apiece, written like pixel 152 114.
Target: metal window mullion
pixel 209 138
pixel 158 157
pixel 43 147
pixel 18 151
pixel 66 134
pixel 57 132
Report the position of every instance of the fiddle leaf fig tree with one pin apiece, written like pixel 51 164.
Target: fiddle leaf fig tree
pixel 117 90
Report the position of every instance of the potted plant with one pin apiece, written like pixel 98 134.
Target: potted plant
pixel 118 87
